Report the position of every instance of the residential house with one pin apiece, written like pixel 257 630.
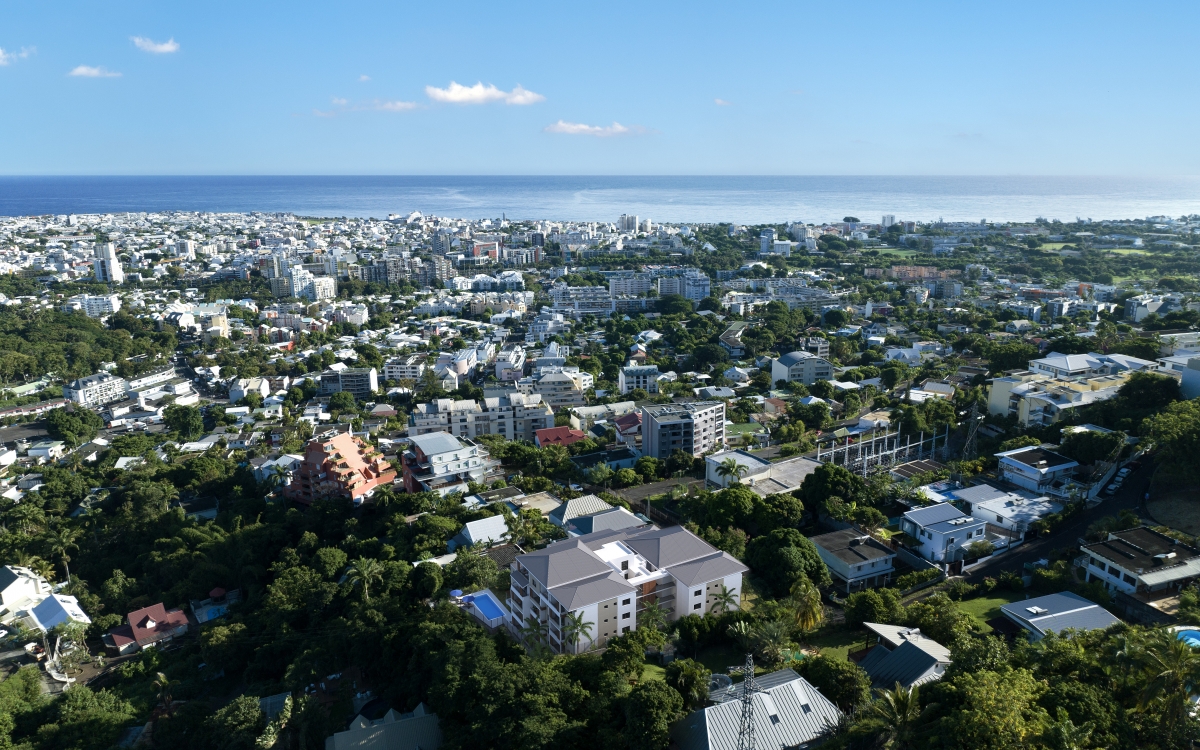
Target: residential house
pixel 855 559
pixel 55 610
pixel 584 505
pixel 613 519
pixel 485 531
pixel 1036 469
pixel 800 367
pixel 942 532
pixel 762 476
pixel 903 655
pixel 20 590
pixel 607 578
pixel 416 730
pixel 1055 613
pixel 1086 365
pixel 563 436
pixel 1142 562
pixel 1007 510
pixel 788 713
pixel 731 339
pixel 146 628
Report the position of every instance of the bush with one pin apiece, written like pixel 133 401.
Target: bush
pixel 1011 580
pixel 916 578
pixel 959 590
pixel 874 605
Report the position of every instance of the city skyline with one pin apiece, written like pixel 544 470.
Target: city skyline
pixel 929 89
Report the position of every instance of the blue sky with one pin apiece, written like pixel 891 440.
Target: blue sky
pixel 598 88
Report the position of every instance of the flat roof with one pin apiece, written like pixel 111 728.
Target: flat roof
pixel 852 546
pixel 1034 456
pixel 1138 548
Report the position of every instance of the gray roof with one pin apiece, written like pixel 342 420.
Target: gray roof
pixel 8 577
pixel 485 530
pixel 584 505
pixel 792 358
pixel 852 546
pixel 717 565
pixel 979 494
pixel 591 590
pixel 437 442
pixel 786 715
pixel 418 730
pixel 612 519
pixel 563 562
pixel 913 662
pixel 1057 612
pixel 764 682
pixel 931 514
pixel 665 548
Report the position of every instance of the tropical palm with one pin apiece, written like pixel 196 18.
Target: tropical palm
pixel 165 687
pixel 532 631
pixel 771 638
pixel 806 604
pixel 1064 734
pixel 724 600
pixel 365 571
pixel 652 615
pixel 1171 675
pixel 575 627
pixel 61 542
pixel 740 631
pixel 898 714
pixel 732 470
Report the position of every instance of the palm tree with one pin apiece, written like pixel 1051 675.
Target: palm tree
pixel 653 615
pixel 772 638
pixel 574 627
pixel 1065 735
pixel 731 470
pixel 806 604
pixel 724 601
pixel 1171 674
pixel 740 631
pixel 898 713
pixel 165 700
pixel 61 542
pixel 365 570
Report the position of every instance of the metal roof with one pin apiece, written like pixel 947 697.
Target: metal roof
pixel 437 442
pixel 931 514
pixel 1057 612
pixel 788 715
pixel 716 565
pixel 913 662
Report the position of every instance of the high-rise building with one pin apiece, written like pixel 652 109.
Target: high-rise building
pixel 694 428
pixel 628 223
pixel 108 265
pixel 888 220
pixel 343 466
pixel 766 241
pixel 693 285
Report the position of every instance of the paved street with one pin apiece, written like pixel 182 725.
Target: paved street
pixel 1128 497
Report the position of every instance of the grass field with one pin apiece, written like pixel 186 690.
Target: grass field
pixel 652 672
pixel 984 608
pixel 836 644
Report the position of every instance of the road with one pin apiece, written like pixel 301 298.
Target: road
pixel 1129 497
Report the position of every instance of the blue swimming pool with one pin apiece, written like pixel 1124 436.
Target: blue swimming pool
pixel 489 608
pixel 1190 637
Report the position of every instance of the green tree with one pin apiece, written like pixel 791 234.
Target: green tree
pixel 60 542
pixel 651 709
pixel 939 618
pixel 363 572
pixel 690 679
pixel 1170 677
pixel 806 604
pixel 731 470
pixel 1176 434
pixel 724 600
pixel 897 716
pixel 427 579
pixel 237 725
pixel 994 711
pixel 342 401
pixel 185 420
pixel 843 682
pixel 575 628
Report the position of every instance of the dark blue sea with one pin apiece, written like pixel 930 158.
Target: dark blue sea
pixel 671 199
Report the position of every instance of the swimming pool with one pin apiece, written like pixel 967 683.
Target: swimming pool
pixel 487 607
pixel 1190 637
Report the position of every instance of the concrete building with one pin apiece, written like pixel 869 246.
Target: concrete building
pixel 96 390
pixel 584 417
pixel 1037 469
pixel 693 285
pixel 510 363
pixel 942 532
pixel 342 466
pixel 514 416
pixel 1087 365
pixel 635 285
pixel 1142 563
pixel 606 578
pixel 405 367
pixel 1036 399
pixel 94 305
pixel 107 265
pixel 856 560
pixel 558 386
pixel 641 376
pixel 361 382
pixel 696 428
pixel 441 463
pixel 801 367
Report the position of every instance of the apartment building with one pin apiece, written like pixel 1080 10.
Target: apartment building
pixel 510 363
pixel 515 416
pixel 817 346
pixel 442 463
pixel 558 386
pixel 635 285
pixel 644 377
pixel 801 367
pixel 96 390
pixel 410 367
pixel 731 339
pixel 107 265
pixel 1142 563
pixel 1085 365
pixel 693 285
pixel 1037 399
pixel 342 466
pixel 94 305
pixel 545 325
pixel 607 579
pixel 361 382
pixel 696 428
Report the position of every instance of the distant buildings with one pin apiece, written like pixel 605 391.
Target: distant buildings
pixel 96 390
pixel 514 416
pixel 94 306
pixel 643 376
pixel 107 265
pixel 361 382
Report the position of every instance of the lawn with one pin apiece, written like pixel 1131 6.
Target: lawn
pixel 652 672
pixel 984 608
pixel 838 642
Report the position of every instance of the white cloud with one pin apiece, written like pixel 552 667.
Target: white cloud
pixel 364 78
pixel 8 57
pixel 340 102
pixel 456 93
pixel 157 48
pixel 87 71
pixel 395 106
pixel 722 103
pixel 599 131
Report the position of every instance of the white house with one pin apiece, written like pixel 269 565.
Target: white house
pixel 1007 510
pixel 1036 469
pixel 486 531
pixel 942 531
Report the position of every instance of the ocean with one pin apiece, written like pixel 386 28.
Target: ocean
pixel 744 200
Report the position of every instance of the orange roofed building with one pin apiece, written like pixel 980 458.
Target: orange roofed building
pixel 343 466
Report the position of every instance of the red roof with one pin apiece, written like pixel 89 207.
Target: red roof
pixel 557 436
pixel 156 622
pixel 216 593
pixel 626 422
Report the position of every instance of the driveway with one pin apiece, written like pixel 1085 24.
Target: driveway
pixel 1129 497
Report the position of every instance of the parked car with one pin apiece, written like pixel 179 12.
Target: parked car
pixel 1123 472
pixel 1111 489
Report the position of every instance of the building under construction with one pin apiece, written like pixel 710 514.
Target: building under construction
pixel 868 452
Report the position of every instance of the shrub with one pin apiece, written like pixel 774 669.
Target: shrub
pixel 916 578
pixel 959 590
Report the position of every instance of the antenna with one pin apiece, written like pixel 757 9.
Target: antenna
pixel 746 732
pixel 969 448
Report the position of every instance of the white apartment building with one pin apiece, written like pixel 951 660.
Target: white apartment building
pixel 696 428
pixel 510 364
pixel 545 325
pixel 559 386
pixel 410 367
pixel 107 265
pixel 514 416
pixel 96 390
pixel 644 377
pixel 693 285
pixel 606 578
pixel 441 463
pixel 632 285
pixel 801 367
pixel 94 306
pixel 1086 365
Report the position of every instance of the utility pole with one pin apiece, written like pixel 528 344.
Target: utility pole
pixel 746 732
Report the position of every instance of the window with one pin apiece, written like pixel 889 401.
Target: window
pixel 1128 579
pixel 625 616
pixel 696 605
pixel 697 593
pixel 625 629
pixel 624 565
pixel 625 601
